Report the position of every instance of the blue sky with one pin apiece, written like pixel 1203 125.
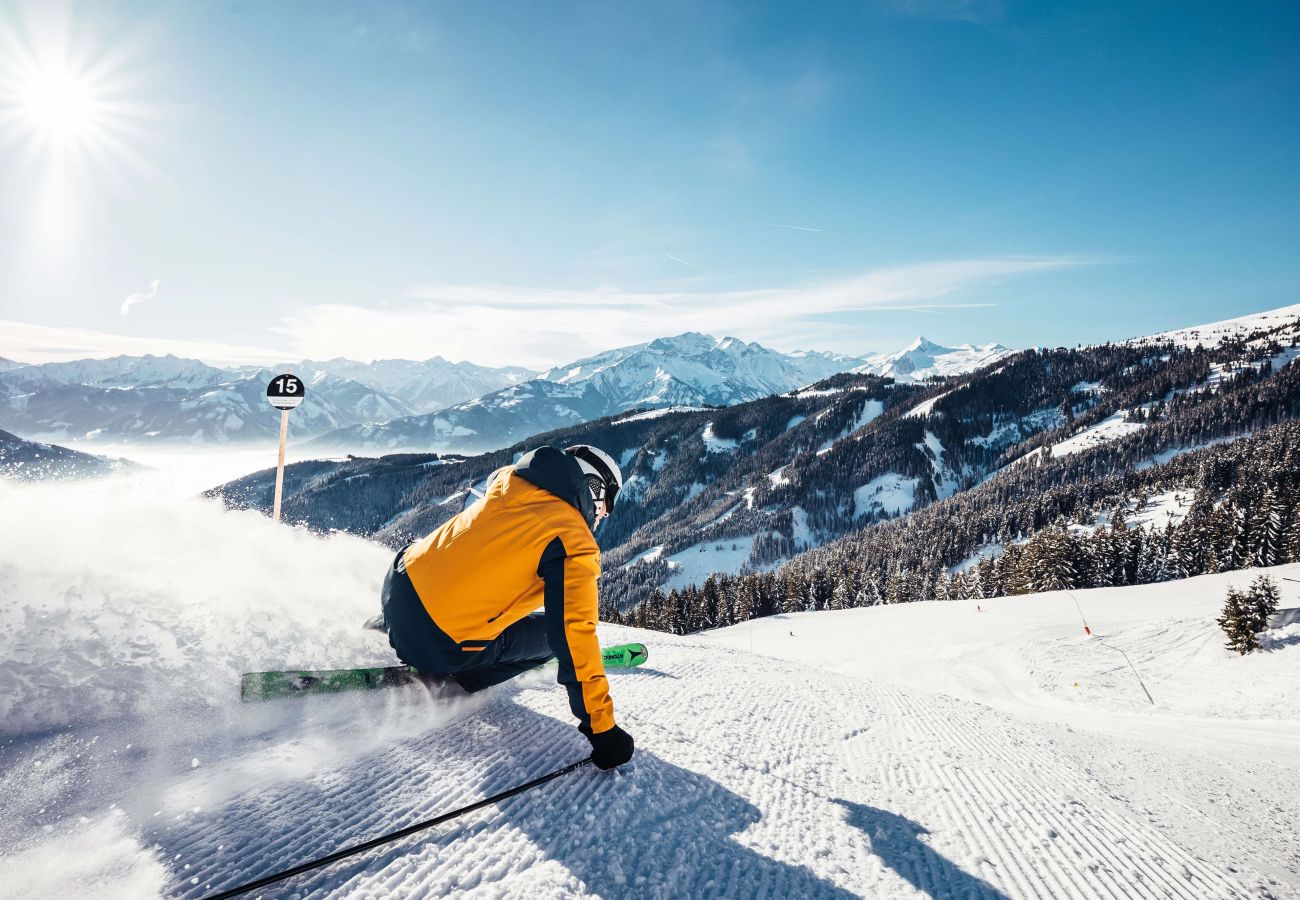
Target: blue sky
pixel 529 182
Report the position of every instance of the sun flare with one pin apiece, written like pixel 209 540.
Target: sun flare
pixel 60 105
pixel 72 125
pixel 65 96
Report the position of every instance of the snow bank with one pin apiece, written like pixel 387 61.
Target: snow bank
pixel 113 603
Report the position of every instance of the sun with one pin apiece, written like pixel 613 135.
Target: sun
pixel 59 106
pixel 64 96
pixel 73 127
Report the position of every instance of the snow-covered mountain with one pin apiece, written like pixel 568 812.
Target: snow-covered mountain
pixel 121 372
pixel 686 370
pixel 924 359
pixel 170 399
pixel 981 748
pixel 696 369
pixel 422 386
pixel 403 404
pixel 7 364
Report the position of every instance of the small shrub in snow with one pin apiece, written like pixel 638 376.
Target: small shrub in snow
pixel 1237 623
pixel 1245 615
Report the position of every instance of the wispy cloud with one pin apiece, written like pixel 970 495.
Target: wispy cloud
pixel 540 327
pixel 498 324
pixel 135 299
pixel 791 227
pixel 686 262
pixel 45 343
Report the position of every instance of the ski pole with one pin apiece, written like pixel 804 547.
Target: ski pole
pixel 393 836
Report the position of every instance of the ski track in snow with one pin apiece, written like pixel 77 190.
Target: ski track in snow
pixel 835 768
pixel 845 788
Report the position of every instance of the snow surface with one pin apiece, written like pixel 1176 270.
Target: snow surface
pixel 946 481
pixel 658 413
pixel 715 444
pixel 1215 333
pixel 925 407
pixel 1109 429
pixel 919 750
pixel 1033 749
pixel 891 493
pixel 697 562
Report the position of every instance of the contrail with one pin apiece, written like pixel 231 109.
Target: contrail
pixel 133 299
pixel 792 227
pixel 686 262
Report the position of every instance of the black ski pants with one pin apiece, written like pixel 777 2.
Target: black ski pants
pixel 420 643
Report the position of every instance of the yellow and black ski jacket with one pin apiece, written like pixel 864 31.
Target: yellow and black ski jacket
pixel 527 543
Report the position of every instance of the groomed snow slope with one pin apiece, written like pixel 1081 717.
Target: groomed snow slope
pixel 1213 765
pixel 755 776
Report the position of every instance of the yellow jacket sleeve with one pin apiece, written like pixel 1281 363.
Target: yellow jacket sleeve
pixel 569 589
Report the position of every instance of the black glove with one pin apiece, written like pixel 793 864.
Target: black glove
pixel 609 748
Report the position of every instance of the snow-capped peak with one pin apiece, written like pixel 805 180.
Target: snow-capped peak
pixel 923 358
pixel 923 344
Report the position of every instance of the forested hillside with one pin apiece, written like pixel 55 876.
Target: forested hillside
pixel 1193 466
pixel 861 490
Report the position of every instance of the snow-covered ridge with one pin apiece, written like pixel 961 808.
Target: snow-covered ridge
pixel 924 359
pixel 1212 334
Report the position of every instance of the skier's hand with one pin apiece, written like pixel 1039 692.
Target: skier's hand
pixel 609 749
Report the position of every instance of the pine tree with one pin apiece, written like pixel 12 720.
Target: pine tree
pixel 1263 598
pixel 1270 550
pixel 1237 622
pixel 1050 559
pixel 1291 541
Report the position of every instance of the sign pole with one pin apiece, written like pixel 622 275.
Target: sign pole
pixel 285 392
pixel 279 466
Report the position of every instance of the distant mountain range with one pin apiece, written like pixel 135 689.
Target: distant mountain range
pixel 421 386
pixel 157 399
pixel 909 484
pixel 687 370
pixel 430 405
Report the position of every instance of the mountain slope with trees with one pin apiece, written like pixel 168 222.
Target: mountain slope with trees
pixel 860 489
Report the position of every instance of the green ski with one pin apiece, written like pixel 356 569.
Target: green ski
pixel 294 683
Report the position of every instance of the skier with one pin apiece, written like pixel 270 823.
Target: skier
pixel 463 601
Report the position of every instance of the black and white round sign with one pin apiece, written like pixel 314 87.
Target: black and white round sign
pixel 285 391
